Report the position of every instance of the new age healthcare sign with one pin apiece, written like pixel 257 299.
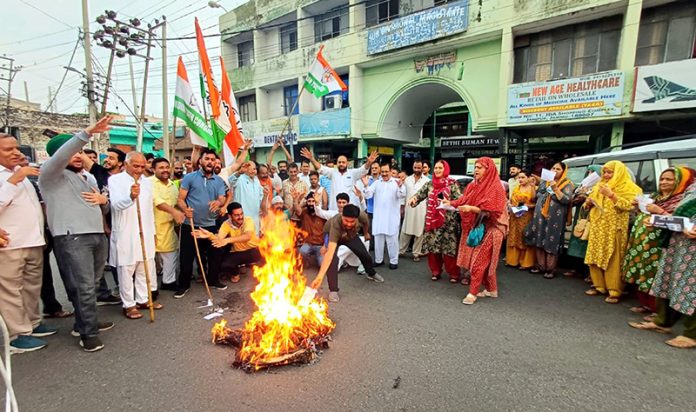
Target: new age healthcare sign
pixel 596 95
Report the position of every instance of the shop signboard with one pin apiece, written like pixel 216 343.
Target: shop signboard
pixel 470 142
pixel 594 96
pixel 268 139
pixel 325 123
pixel 433 23
pixel 667 86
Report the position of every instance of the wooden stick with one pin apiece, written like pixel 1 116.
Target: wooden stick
pixel 200 261
pixel 150 304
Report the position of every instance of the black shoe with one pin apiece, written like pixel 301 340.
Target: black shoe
pixel 103 326
pixel 378 264
pixel 392 267
pixel 111 300
pixel 91 344
pixel 155 294
pixel 169 286
pixel 181 293
pixel 218 286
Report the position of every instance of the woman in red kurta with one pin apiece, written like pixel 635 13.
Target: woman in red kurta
pixel 485 195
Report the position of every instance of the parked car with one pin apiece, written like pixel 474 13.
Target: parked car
pixel 645 162
pixel 464 180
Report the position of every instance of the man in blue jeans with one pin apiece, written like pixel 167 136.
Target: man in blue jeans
pixel 75 209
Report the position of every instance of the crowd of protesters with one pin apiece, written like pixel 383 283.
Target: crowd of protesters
pixel 135 214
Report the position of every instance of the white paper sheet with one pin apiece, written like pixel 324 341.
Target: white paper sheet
pixel 548 175
pixel 520 210
pixel 673 223
pixel 591 180
pixel 643 202
pixel 447 207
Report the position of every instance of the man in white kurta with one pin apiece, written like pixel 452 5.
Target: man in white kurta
pixel 414 218
pixel 342 179
pixel 388 192
pixel 126 252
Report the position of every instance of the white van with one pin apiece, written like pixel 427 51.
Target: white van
pixel 646 162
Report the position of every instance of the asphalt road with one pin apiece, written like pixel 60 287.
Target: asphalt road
pixel 543 345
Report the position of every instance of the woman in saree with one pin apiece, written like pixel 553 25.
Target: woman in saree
pixel 609 204
pixel 577 247
pixel 441 226
pixel 545 232
pixel 644 242
pixel 484 200
pixel 517 252
pixel 673 286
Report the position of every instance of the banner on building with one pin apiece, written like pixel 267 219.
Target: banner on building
pixel 667 86
pixel 594 96
pixel 433 23
pixel 326 123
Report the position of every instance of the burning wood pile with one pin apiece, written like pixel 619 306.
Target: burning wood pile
pixel 281 331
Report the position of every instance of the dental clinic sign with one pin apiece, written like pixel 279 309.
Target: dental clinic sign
pixel 434 23
pixel 593 96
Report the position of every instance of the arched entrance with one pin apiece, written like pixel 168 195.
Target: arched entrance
pixel 411 115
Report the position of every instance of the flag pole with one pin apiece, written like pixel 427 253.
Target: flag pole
pixel 287 123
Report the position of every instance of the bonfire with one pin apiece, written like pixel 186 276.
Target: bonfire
pixel 281 330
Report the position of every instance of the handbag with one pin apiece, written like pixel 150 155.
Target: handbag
pixel 476 234
pixel 582 226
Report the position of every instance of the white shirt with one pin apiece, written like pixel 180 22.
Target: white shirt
pixel 125 233
pixel 20 212
pixel 386 215
pixel 343 183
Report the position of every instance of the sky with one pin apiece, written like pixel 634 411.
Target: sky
pixel 42 34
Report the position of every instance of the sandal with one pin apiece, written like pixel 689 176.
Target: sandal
pixel 235 279
pixel 487 294
pixel 155 306
pixel 416 258
pixel 592 292
pixel 469 299
pixel 612 300
pixel 569 273
pixel 535 271
pixel 132 313
pixel 59 314
pixel 435 278
pixel 639 309
pixel 649 326
pixel 525 269
pixel 649 318
pixel 453 280
pixel 465 281
pixel 682 342
pixel 549 276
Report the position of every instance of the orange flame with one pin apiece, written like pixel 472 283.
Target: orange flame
pixel 279 326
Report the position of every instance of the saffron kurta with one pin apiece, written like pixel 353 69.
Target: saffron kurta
pixel 414 217
pixel 125 247
pixel 165 193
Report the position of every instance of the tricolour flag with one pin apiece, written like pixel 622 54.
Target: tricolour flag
pixel 186 108
pixel 322 79
pixel 229 120
pixel 212 94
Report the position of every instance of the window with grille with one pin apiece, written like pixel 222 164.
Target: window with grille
pixel 245 54
pixel 667 33
pixel 247 108
pixel 290 97
pixel 288 38
pixel 568 51
pixel 331 24
pixel 379 11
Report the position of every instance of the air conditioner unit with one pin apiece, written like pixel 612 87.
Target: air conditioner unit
pixel 333 102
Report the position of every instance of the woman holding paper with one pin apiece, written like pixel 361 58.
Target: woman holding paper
pixel 577 246
pixel 644 242
pixel 550 216
pixel 609 205
pixel 674 282
pixel 441 235
pixel 484 203
pixel 523 196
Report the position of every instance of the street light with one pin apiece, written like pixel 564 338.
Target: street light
pixel 216 5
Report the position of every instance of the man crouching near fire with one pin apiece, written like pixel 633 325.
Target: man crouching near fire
pixel 343 230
